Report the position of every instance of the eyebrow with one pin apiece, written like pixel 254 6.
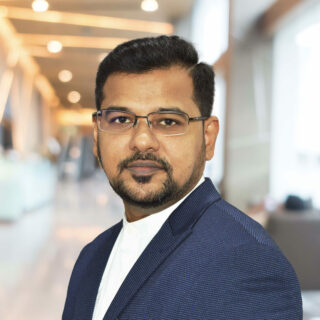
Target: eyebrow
pixel 171 109
pixel 116 108
pixel 120 108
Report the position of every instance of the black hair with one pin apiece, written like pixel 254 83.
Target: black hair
pixel 147 54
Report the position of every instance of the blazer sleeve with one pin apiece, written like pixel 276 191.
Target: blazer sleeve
pixel 266 283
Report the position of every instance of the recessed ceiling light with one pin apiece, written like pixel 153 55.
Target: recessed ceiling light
pixel 40 5
pixel 65 75
pixel 54 46
pixel 75 152
pixel 149 5
pixel 3 11
pixel 74 96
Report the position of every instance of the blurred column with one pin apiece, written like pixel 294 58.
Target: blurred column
pixel 207 27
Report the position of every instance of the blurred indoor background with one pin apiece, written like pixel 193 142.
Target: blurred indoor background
pixel 54 198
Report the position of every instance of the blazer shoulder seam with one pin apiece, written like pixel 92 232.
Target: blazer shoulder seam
pixel 265 242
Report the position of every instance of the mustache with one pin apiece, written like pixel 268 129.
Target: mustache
pixel 145 156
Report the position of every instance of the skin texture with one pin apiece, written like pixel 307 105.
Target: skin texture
pixel 177 161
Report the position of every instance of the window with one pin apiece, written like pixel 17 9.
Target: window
pixel 295 142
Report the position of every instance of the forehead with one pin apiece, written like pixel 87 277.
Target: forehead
pixel 147 92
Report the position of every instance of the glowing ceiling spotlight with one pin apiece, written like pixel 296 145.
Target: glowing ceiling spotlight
pixel 74 96
pixel 149 5
pixel 40 5
pixel 54 46
pixel 65 75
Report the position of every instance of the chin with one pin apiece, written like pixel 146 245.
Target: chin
pixel 145 194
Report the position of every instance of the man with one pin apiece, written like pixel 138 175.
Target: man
pixel 180 252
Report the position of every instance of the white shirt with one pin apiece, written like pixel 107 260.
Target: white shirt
pixel 131 242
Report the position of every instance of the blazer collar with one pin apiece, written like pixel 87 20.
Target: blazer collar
pixel 175 230
pixel 193 206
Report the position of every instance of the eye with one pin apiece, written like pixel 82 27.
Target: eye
pixel 168 122
pixel 120 119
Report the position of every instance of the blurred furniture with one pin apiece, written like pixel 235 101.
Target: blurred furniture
pixel 77 161
pixel 297 233
pixel 24 186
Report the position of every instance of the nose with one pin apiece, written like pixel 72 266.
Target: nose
pixel 143 139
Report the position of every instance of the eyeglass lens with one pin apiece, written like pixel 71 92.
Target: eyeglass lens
pixel 160 123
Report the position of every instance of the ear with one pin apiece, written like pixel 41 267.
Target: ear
pixel 95 139
pixel 211 129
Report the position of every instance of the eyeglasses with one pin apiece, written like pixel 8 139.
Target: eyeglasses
pixel 164 123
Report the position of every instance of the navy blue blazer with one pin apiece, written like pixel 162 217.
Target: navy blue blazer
pixel 208 261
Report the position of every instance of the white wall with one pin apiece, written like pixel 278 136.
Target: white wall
pixel 248 121
pixel 295 148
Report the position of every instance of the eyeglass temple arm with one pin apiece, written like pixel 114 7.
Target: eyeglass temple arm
pixel 95 115
pixel 198 118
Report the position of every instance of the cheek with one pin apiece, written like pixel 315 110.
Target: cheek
pixel 111 152
pixel 182 155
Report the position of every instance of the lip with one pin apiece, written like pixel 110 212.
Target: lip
pixel 144 167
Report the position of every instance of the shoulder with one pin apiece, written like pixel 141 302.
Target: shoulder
pixel 241 244
pixel 90 251
pixel 101 240
pixel 223 222
pixel 249 263
pixel 80 269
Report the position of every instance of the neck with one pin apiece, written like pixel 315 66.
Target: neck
pixel 134 213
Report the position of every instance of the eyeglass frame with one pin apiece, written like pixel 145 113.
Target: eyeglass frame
pixel 99 112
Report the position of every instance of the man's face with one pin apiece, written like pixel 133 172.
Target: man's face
pixel 145 169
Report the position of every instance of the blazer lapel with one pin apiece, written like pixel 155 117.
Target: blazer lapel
pixel 174 231
pixel 87 297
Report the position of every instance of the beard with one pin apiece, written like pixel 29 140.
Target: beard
pixel 170 191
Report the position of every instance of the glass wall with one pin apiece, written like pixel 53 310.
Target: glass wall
pixel 295 148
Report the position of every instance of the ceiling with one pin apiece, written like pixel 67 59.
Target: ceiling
pixel 87 33
pixel 245 13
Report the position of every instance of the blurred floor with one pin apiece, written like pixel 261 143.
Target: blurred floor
pixel 39 251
